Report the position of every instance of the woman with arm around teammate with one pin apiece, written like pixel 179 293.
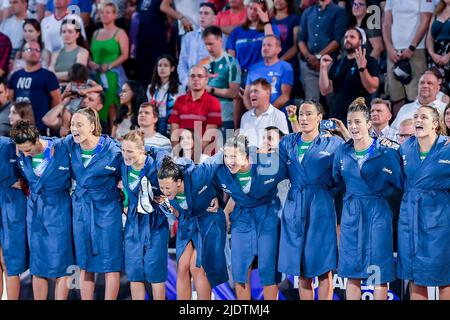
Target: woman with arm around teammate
pixel 201 227
pixel 13 243
pixel 308 239
pixel 146 231
pixel 97 210
pixel 368 171
pixel 45 164
pixel 424 223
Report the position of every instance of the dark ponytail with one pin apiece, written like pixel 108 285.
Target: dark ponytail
pixel 169 169
pixel 23 131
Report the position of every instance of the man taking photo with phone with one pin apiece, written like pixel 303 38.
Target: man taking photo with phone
pixel 353 75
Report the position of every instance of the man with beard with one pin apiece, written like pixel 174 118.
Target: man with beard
pixel 353 75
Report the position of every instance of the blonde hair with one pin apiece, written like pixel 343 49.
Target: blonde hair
pixel 93 118
pixel 137 137
pixel 108 3
pixel 436 117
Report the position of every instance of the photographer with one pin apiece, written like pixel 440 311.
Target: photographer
pixel 353 75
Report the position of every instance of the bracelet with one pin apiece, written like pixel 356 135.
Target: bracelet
pixel 292 118
pixel 267 22
pixel 362 69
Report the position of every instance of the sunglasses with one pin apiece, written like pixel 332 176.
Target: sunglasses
pixel 32 50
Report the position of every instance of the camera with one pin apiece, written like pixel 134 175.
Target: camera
pixel 327 125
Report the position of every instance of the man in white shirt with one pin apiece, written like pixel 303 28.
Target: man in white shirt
pixel 262 115
pixel 147 119
pixel 13 26
pixel 404 27
pixel 380 115
pixel 51 26
pixel 428 90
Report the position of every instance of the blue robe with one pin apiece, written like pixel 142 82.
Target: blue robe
pixel 13 237
pixel 206 230
pixel 254 220
pixel 308 245
pixel 424 223
pixel 49 214
pixel 97 208
pixel 365 244
pixel 146 235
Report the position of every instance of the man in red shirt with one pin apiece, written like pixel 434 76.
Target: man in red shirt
pixel 229 19
pixel 197 110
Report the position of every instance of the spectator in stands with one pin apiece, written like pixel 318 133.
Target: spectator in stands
pixel 191 147
pixel 321 29
pixel 380 115
pixel 151 38
pixel 196 110
pixel 131 97
pixel 147 120
pixel 427 95
pixel 74 51
pixel 277 72
pixel 164 91
pixel 405 24
pixel 406 130
pixel 12 26
pixel 359 18
pixel 35 84
pixel 446 121
pixel 5 54
pixel 85 7
pixel 5 106
pixel 288 24
pixel 353 75
pixel 110 49
pixel 229 19
pixel 262 115
pixel 193 48
pixel 51 26
pixel 185 11
pixel 224 75
pixel 438 41
pixel 21 110
pixel 31 32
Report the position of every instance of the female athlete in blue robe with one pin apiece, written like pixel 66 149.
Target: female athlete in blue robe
pixel 201 232
pixel 97 208
pixel 146 230
pixel 424 223
pixel 369 171
pixel 252 184
pixel 308 242
pixel 13 238
pixel 45 165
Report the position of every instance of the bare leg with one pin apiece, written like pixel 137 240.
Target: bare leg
pixel 137 290
pixel 62 288
pixel 112 285
pixel 2 268
pixel 305 289
pixel 444 293
pixel 184 289
pixel 270 292
pixel 12 282
pixel 418 292
pixel 40 288
pixel 325 291
pixel 243 289
pixel 353 291
pixel 159 291
pixel 201 282
pixel 380 292
pixel 87 285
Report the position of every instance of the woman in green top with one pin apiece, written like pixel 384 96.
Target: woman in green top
pixel 74 51
pixel 109 48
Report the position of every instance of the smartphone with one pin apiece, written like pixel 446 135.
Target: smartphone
pixel 327 125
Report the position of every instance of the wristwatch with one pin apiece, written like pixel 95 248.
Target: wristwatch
pixel 362 69
pixel 212 90
pixel 318 56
